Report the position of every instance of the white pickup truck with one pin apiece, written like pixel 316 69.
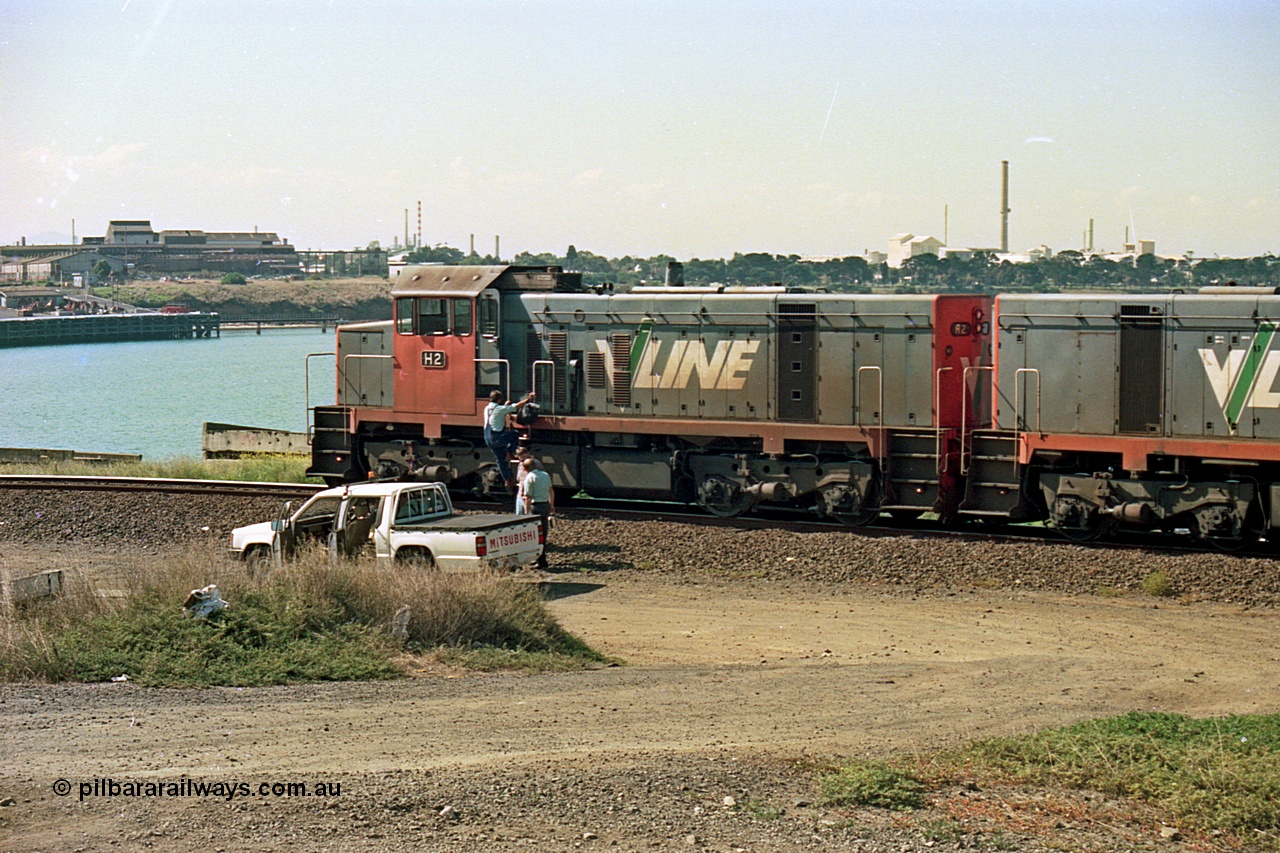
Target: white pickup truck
pixel 405 522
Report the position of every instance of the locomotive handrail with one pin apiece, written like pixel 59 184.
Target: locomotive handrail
pixel 306 385
pixel 553 380
pixel 966 448
pixel 1018 421
pixel 501 362
pixel 346 375
pixel 857 407
pixel 940 458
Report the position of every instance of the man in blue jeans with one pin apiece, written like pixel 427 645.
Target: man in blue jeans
pixel 497 436
pixel 539 500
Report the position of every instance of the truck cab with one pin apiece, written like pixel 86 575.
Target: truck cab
pixel 397 522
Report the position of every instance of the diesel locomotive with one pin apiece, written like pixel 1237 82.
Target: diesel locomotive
pixel 1153 411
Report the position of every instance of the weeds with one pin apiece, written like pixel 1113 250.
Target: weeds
pixel 1158 584
pixel 308 621
pixel 1211 774
pixel 872 783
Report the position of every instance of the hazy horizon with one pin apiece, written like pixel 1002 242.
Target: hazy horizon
pixel 635 128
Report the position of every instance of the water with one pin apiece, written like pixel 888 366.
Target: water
pixel 151 397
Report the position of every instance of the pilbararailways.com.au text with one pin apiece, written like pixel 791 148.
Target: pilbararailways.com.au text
pixel 186 787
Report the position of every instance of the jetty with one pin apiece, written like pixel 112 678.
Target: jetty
pixel 103 328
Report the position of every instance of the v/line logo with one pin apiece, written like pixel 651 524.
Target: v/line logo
pixel 1246 377
pixel 724 368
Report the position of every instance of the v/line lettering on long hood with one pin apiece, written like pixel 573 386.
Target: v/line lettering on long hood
pixel 724 368
pixel 1246 377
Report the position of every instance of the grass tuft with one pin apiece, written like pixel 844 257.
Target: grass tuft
pixel 872 783
pixel 1158 584
pixel 306 622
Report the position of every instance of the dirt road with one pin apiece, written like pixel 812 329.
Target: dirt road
pixel 726 688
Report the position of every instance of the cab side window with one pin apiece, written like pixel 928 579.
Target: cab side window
pixel 423 316
pixel 404 316
pixel 461 316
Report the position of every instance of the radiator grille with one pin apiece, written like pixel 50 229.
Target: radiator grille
pixel 596 375
pixel 620 347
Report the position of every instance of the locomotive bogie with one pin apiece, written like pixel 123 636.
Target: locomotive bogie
pixel 1216 511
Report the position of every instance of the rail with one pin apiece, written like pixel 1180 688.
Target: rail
pixel 881 449
pixel 60 482
pixel 966 447
pixel 552 365
pixel 306 384
pixel 940 466
pixel 1020 422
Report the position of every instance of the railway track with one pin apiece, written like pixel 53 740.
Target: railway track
pixel 644 512
pixel 57 482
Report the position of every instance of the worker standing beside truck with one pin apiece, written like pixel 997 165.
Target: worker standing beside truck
pixel 539 500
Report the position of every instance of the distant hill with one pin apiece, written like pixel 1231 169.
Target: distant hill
pixel 348 298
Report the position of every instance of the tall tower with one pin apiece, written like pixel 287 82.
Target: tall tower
pixel 1004 205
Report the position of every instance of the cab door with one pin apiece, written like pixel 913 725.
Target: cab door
pixel 435 352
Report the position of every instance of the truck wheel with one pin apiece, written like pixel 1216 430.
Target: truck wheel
pixel 417 558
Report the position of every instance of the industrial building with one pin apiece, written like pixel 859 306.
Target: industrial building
pixel 133 246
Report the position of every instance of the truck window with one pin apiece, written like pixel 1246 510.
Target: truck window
pixel 361 509
pixel 318 508
pixel 418 505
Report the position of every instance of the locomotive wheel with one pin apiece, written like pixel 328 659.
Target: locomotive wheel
pixel 1225 531
pixel 1077 520
pixel 844 503
pixel 723 498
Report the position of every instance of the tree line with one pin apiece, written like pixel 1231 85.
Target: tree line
pixel 979 272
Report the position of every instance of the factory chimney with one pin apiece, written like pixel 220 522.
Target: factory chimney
pixel 497 251
pixel 1004 205
pixel 419 244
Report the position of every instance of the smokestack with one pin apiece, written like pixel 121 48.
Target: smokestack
pixel 1004 205
pixel 473 245
pixel 406 227
pixel 675 274
pixel 497 252
pixel 419 224
pixel 1090 234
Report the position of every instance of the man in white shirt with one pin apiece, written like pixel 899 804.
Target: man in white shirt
pixel 539 500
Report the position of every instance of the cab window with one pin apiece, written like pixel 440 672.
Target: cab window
pixel 404 316
pixel 424 316
pixel 433 317
pixel 461 316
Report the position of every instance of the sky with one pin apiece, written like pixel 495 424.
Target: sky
pixel 695 129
